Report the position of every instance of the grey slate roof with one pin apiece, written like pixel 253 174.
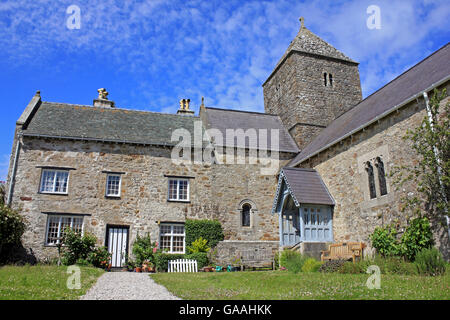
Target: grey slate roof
pixel 223 119
pixel 304 185
pixel 87 122
pixel 422 76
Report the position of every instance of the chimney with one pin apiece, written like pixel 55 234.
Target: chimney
pixel 102 100
pixel 184 108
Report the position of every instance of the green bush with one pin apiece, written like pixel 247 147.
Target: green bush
pixel 211 230
pixel 144 249
pixel 332 266
pixel 162 259
pixel 387 265
pixel 201 257
pixel 12 226
pixel 293 261
pixel 99 257
pixel 384 240
pixel 199 245
pixel 311 265
pixel 429 261
pixel 76 246
pixel 417 236
pixel 287 254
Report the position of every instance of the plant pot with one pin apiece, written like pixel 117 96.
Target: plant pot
pixel 138 269
pixel 151 269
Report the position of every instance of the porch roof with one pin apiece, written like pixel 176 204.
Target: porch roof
pixel 304 185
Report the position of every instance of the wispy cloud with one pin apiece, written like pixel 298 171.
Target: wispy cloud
pixel 221 50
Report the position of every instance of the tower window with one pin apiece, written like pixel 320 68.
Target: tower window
pixel 331 79
pixel 325 79
pixel 246 215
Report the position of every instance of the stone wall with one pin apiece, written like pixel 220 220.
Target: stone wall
pixel 216 191
pixel 342 170
pixel 296 92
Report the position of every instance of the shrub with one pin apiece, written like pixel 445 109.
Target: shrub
pixel 287 254
pixel 311 265
pixel 199 245
pixel 429 261
pixel 293 261
pixel 144 249
pixel 201 257
pixel 353 268
pixel 12 227
pixel 332 266
pixel 76 246
pixel 162 259
pixel 384 240
pixel 211 230
pixel 417 236
pixel 98 256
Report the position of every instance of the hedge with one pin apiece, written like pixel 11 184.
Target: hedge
pixel 210 230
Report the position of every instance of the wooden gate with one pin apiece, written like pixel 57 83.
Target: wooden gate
pixel 117 244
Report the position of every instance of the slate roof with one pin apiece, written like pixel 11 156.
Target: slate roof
pixel 307 42
pixel 422 76
pixel 121 125
pixel 305 186
pixel 223 119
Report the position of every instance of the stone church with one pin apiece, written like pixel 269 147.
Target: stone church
pixel 111 171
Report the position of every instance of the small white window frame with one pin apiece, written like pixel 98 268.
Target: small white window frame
pixel 120 185
pixel 171 235
pixel 41 185
pixel 60 217
pixel 177 198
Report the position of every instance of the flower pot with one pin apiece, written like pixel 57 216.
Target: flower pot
pixel 138 269
pixel 151 269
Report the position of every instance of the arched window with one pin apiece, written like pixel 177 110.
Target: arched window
pixel 381 176
pixel 246 215
pixel 371 178
pixel 325 79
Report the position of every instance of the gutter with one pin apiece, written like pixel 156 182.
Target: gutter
pixel 13 172
pixel 377 118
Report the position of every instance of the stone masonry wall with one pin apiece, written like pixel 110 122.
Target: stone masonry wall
pixel 342 170
pixel 216 191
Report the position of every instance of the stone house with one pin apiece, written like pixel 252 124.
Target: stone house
pixel 309 171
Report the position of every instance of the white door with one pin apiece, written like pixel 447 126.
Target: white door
pixel 117 245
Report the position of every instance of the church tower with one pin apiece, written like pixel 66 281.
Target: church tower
pixel 312 84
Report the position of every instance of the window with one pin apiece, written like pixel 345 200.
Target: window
pixel 172 238
pixel 113 182
pixel 246 215
pixel 54 181
pixel 178 189
pixel 56 226
pixel 316 223
pixel 381 176
pixel 371 180
pixel 330 78
pixel 325 79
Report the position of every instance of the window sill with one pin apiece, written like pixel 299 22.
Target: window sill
pixel 112 197
pixel 182 201
pixel 54 193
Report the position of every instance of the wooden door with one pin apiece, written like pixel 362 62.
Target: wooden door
pixel 290 228
pixel 117 244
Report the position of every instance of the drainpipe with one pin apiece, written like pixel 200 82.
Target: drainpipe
pixel 436 154
pixel 13 171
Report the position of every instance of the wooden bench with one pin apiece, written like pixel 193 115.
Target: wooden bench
pixel 343 250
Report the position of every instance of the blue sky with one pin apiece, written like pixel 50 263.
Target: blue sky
pixel 150 54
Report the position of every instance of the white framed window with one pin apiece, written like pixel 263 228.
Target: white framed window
pixel 171 238
pixel 178 189
pixel 57 224
pixel 113 185
pixel 54 181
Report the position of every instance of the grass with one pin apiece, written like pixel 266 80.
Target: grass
pixel 282 285
pixel 43 282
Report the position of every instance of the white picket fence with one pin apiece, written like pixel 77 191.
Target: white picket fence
pixel 182 265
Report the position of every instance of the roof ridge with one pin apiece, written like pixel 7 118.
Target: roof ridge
pixel 245 111
pixel 121 109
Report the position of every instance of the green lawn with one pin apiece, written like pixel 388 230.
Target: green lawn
pixel 282 285
pixel 43 282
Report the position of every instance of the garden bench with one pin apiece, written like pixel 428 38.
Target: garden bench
pixel 343 250
pixel 182 265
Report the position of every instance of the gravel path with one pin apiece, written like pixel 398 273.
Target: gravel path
pixel 127 286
